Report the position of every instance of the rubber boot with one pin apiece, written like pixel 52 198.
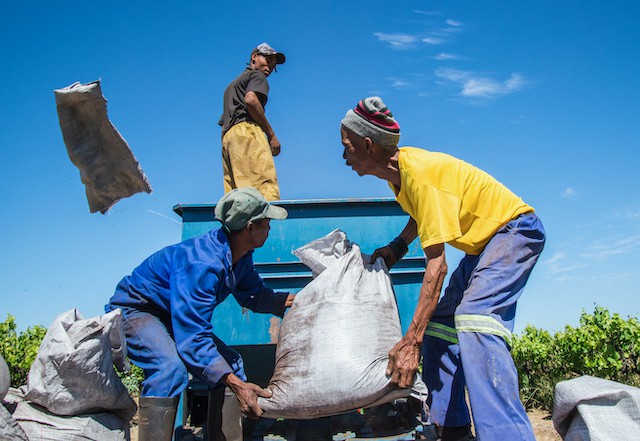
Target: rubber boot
pixel 214 415
pixel 461 433
pixel 224 420
pixel 157 417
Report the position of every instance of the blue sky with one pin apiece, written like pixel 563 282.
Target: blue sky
pixel 543 95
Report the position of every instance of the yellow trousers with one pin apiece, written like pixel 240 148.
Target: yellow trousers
pixel 247 160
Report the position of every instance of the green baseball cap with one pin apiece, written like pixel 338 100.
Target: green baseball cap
pixel 243 205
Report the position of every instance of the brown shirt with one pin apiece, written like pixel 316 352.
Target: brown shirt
pixel 234 107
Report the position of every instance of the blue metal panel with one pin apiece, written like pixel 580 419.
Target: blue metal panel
pixel 370 223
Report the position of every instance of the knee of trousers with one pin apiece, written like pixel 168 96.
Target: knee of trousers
pixel 167 380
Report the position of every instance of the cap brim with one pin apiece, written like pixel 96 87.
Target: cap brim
pixel 275 212
pixel 280 58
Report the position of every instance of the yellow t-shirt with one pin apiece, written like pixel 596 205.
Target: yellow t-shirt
pixel 452 201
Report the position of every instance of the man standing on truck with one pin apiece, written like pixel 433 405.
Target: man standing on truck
pixel 168 302
pixel 248 140
pixel 465 336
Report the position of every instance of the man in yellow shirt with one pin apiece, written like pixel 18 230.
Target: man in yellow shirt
pixel 465 336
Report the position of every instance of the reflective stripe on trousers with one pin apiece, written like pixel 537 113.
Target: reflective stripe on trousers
pixel 443 332
pixel 468 323
pixel 482 324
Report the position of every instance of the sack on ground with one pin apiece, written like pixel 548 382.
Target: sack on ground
pixel 333 345
pixel 5 378
pixel 108 168
pixel 590 408
pixel 10 430
pixel 37 424
pixel 73 372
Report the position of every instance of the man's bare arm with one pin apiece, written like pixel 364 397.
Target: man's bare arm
pixel 404 358
pixel 254 106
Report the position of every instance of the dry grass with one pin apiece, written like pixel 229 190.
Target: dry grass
pixel 543 426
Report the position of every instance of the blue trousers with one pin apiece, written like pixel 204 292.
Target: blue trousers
pixel 150 346
pixel 468 339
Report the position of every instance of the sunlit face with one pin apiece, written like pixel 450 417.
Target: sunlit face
pixel 259 232
pixel 264 63
pixel 355 152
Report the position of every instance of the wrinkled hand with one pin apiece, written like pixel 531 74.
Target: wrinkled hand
pixel 274 143
pixel 247 394
pixel 387 253
pixel 404 358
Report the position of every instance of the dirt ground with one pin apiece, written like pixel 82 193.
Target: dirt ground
pixel 543 426
pixel 540 420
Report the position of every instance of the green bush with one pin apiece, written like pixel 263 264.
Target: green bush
pixel 132 379
pixel 19 349
pixel 604 346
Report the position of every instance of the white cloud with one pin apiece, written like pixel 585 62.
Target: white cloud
pixel 429 13
pixel 558 268
pixel 613 246
pixel 476 86
pixel 442 56
pixel 398 83
pixel 435 34
pixel 487 87
pixel 433 40
pixel 612 278
pixel 631 214
pixel 604 252
pixel 569 193
pixel 515 82
pixel 451 30
pixel 396 40
pixel 557 257
pixel 454 75
pixel 614 238
pixel 520 119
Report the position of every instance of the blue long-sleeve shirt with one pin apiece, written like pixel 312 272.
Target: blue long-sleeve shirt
pixel 182 284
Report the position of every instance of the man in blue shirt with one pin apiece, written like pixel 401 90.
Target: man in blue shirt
pixel 168 302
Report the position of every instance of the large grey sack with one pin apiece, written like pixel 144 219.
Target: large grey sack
pixel 38 424
pixel 108 168
pixel 10 430
pixel 73 372
pixel 5 378
pixel 324 251
pixel 593 409
pixel 333 344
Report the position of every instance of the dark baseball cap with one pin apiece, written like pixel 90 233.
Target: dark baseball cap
pixel 243 205
pixel 265 49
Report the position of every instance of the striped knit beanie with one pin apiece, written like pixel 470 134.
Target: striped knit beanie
pixel 372 119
